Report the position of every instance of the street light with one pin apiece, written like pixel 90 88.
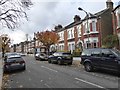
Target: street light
pixel 87 25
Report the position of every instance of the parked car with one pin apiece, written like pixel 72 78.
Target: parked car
pixel 13 62
pixel 61 58
pixel 41 56
pixel 22 54
pixel 100 58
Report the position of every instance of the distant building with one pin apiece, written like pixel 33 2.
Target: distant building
pixel 83 33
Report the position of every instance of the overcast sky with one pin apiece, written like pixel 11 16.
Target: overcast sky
pixel 45 14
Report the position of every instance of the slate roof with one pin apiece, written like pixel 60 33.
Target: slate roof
pixel 90 15
pixel 116 8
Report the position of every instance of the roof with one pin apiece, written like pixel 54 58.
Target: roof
pixel 116 8
pixel 89 16
pixel 101 12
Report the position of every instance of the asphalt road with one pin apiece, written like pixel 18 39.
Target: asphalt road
pixel 41 74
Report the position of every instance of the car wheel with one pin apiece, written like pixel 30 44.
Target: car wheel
pixel 49 61
pixel 59 62
pixel 24 68
pixel 52 62
pixel 70 63
pixel 88 67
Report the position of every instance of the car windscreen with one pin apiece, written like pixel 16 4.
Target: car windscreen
pixel 66 54
pixel 12 59
pixel 86 52
pixel 61 54
pixel 116 52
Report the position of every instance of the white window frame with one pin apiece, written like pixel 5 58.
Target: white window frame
pixel 79 30
pixel 93 26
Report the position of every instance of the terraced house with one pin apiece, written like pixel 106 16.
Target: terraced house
pixel 116 21
pixel 88 32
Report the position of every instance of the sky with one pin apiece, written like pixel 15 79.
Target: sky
pixel 46 14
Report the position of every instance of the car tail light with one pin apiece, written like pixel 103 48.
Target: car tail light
pixel 21 62
pixel 8 64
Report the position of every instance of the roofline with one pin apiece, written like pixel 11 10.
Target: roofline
pixel 115 8
pixel 79 22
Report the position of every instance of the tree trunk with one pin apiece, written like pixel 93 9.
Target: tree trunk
pixel 48 47
pixel 3 52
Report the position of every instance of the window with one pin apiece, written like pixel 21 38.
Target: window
pixel 96 52
pixel 94 44
pixel 73 46
pixel 71 33
pixel 62 47
pixel 86 27
pixel 69 47
pixel 118 17
pixel 68 34
pixel 88 44
pixel 93 26
pixel 79 31
pixel 106 53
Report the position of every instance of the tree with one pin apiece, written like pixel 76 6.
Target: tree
pixel 11 11
pixel 110 41
pixel 48 38
pixel 5 43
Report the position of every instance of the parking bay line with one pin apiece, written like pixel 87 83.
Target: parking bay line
pixel 49 68
pixel 90 83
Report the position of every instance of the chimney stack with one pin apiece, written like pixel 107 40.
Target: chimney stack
pixel 109 4
pixel 77 18
pixel 58 27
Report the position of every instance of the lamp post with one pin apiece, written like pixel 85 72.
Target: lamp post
pixel 88 44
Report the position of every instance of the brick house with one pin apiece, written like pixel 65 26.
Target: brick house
pixel 116 21
pixel 76 33
pixel 84 33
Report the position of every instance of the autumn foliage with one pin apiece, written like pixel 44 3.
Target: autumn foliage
pixel 5 43
pixel 47 38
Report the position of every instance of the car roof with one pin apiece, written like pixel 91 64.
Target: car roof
pixel 12 55
pixel 62 52
pixel 98 49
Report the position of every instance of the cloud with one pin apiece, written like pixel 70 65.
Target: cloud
pixel 45 14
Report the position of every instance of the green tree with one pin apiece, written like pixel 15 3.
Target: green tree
pixel 110 41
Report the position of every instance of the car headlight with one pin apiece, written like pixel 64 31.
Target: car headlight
pixel 37 55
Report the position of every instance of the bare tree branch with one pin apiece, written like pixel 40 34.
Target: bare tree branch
pixel 11 14
pixel 3 2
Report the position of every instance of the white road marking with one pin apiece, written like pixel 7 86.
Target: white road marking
pixel 47 85
pixel 41 80
pixel 49 68
pixel 21 86
pixel 89 83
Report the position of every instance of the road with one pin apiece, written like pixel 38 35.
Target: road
pixel 41 74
